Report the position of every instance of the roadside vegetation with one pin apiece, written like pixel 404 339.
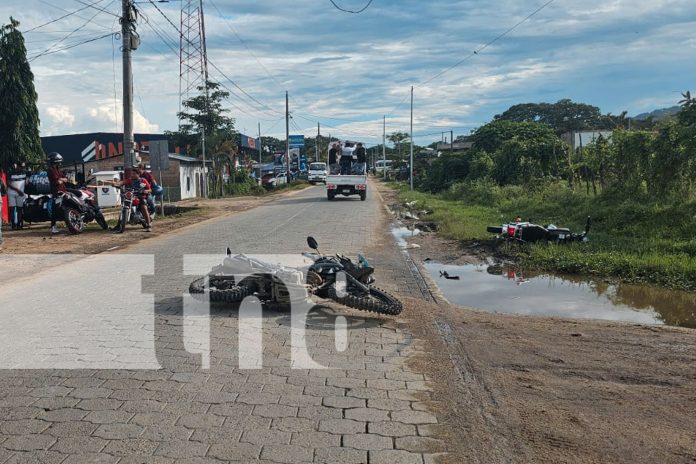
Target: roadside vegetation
pixel 638 187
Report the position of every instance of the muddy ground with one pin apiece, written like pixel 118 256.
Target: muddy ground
pixel 37 239
pixel 537 390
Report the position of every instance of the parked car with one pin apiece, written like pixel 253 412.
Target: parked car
pixel 273 180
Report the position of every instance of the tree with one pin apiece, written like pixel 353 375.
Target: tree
pixel 397 138
pixel 563 116
pixel 19 118
pixel 208 114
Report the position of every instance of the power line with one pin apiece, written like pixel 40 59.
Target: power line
pixel 68 47
pixel 61 17
pixel 94 5
pixel 488 44
pixel 351 11
pixel 176 28
pixel 89 21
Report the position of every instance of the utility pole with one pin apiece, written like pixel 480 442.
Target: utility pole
pixel 451 141
pixel 384 145
pixel 287 136
pixel 260 143
pixel 130 42
pixel 316 145
pixel 411 176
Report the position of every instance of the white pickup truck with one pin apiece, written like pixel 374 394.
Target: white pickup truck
pixel 346 185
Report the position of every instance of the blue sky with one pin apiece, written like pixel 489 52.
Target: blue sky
pixel 346 71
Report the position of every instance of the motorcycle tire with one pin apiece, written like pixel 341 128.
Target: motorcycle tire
pixel 232 294
pixel 378 301
pixel 123 220
pixel 73 220
pixel 101 220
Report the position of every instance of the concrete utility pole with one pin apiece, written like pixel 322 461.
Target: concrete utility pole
pixel 384 146
pixel 451 141
pixel 411 176
pixel 287 136
pixel 316 145
pixel 129 40
pixel 260 143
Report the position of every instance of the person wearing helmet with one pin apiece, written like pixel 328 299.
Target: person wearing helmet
pixel 57 180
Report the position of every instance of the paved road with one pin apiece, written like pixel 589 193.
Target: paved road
pixel 200 406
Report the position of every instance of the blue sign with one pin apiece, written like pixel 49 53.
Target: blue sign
pixel 303 163
pixel 296 141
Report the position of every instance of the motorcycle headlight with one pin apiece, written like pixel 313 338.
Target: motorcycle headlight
pixel 129 195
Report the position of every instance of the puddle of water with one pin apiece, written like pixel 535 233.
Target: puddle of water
pixel 501 289
pixel 402 233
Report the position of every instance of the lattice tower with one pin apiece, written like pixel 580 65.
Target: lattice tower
pixel 193 57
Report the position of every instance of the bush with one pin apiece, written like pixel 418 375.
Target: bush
pixel 483 192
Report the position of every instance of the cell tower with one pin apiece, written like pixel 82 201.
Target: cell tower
pixel 193 56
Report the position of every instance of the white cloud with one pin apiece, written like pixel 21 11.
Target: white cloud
pixel 353 69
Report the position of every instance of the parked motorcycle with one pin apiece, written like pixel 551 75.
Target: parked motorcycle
pixel 130 209
pixel 93 212
pixel 333 277
pixel 528 232
pixel 77 207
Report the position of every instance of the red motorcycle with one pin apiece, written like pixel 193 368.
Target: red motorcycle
pixel 528 232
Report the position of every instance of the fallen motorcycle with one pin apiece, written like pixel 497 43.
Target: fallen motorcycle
pixel 336 278
pixel 528 232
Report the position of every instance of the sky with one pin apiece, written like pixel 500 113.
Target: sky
pixel 347 71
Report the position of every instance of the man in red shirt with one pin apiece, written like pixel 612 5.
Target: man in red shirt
pixel 143 189
pixel 57 180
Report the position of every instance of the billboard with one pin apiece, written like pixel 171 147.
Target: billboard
pixel 296 141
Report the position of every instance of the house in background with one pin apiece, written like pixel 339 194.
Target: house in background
pixel 85 154
pixel 579 139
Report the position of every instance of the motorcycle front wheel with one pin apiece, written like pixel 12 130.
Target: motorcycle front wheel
pixel 123 219
pixel 73 219
pixel 378 301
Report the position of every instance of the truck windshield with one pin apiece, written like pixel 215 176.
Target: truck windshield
pixel 317 167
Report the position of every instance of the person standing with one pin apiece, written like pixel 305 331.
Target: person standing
pixel 57 180
pixel 361 155
pixel 346 159
pixel 333 158
pixel 3 192
pixel 17 179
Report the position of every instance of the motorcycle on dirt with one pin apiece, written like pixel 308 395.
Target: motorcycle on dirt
pixel 92 210
pixel 130 209
pixel 527 232
pixel 77 207
pixel 336 278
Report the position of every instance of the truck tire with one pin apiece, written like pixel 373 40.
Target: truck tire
pixel 329 195
pixel 363 196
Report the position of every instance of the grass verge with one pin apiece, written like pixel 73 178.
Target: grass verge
pixel 635 239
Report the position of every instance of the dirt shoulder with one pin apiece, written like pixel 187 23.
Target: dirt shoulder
pixel 533 389
pixel 37 239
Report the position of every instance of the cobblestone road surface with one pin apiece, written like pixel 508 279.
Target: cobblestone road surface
pixel 367 407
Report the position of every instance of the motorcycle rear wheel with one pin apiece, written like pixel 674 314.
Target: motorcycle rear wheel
pixel 73 219
pixel 378 301
pixel 228 294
